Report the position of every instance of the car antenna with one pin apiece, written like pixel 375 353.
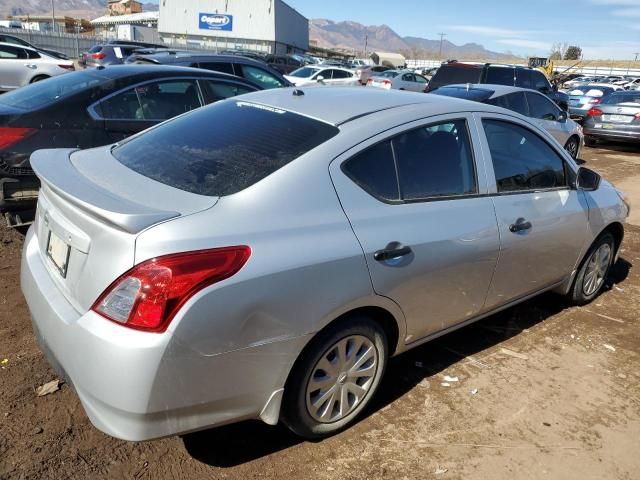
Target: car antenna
pixel 298 93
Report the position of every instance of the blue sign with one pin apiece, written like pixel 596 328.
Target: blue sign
pixel 216 21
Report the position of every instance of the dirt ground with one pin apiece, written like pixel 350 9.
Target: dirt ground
pixel 565 405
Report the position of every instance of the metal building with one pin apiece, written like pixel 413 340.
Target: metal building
pixel 269 26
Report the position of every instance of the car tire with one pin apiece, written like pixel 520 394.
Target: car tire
pixel 590 141
pixel 594 269
pixel 37 78
pixel 572 146
pixel 349 382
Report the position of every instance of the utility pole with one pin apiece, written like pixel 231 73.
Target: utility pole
pixel 442 35
pixel 636 54
pixel 366 41
pixel 53 17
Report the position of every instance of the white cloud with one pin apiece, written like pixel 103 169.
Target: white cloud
pixel 619 50
pixel 488 31
pixel 523 43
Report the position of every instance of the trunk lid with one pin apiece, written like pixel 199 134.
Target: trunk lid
pixel 90 211
pixel 620 113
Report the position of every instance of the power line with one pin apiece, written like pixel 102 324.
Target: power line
pixel 442 35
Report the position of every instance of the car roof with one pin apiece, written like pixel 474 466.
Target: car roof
pixel 131 69
pixel 355 102
pixel 498 90
pixel 186 55
pixel 7 44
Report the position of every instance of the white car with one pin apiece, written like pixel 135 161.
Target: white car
pixel 324 75
pixel 21 65
pixel 632 84
pixel 399 80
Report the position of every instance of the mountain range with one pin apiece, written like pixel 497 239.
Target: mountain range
pixel 352 36
pixel 76 8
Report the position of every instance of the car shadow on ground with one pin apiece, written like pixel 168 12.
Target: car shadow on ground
pixel 621 147
pixel 232 445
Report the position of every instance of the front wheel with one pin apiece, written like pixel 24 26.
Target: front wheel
pixel 572 147
pixel 593 271
pixel 335 377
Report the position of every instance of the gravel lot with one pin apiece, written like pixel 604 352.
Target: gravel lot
pixel 544 391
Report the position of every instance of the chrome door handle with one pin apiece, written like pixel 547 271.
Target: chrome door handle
pixel 520 225
pixel 30 65
pixel 392 250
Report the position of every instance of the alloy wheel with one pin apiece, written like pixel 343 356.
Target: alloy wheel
pixel 597 268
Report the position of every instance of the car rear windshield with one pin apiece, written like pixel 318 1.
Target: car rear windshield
pixel 95 49
pixel 617 98
pixel 55 89
pixel 304 72
pixel 448 74
pixel 475 94
pixel 223 148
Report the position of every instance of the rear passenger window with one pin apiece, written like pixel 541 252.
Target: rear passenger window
pixel 521 160
pixel 500 76
pixel 435 161
pixel 374 171
pixel 152 101
pixel 218 90
pixel 259 76
pixel 541 107
pixel 540 82
pixel 12 52
pixel 217 67
pixel 523 78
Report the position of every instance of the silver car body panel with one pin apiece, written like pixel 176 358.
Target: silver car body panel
pixel 228 352
pixel 17 72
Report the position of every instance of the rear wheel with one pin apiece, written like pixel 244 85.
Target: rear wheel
pixel 594 269
pixel 37 78
pixel 335 378
pixel 572 146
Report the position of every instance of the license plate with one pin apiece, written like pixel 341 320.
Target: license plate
pixel 608 126
pixel 618 118
pixel 58 253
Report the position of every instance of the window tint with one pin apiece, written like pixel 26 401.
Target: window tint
pixel 12 52
pixel 260 77
pixel 14 40
pixel 55 89
pixel 374 171
pixel 435 161
pixel 540 82
pixel 517 103
pixel 500 75
pixel 217 67
pixel 337 74
pixel 523 78
pixel 324 73
pixel 448 74
pixel 541 107
pixel 152 101
pixel 249 142
pixel 95 49
pixel 521 159
pixel 408 77
pixel 420 79
pixel 33 54
pixel 219 90
pixel 475 94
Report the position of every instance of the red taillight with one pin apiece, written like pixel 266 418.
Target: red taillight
pixel 594 112
pixel 637 116
pixel 369 80
pixel 98 56
pixel 386 82
pixel 595 101
pixel 12 135
pixel 149 295
pixel 68 67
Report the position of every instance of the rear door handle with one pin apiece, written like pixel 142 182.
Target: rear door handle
pixel 392 250
pixel 520 225
pixel 30 65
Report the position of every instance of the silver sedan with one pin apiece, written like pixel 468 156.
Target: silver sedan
pixel 268 268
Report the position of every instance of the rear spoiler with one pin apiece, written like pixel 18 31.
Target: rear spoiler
pixel 56 173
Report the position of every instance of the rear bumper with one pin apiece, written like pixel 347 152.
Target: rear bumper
pixel 613 134
pixel 138 386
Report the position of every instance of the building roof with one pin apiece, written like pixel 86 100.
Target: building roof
pixel 133 18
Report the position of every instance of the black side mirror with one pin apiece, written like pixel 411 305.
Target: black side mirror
pixel 563 116
pixel 587 180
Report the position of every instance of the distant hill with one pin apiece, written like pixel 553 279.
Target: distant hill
pixel 76 8
pixel 351 36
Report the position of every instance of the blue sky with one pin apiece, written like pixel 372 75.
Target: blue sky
pixel 605 29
